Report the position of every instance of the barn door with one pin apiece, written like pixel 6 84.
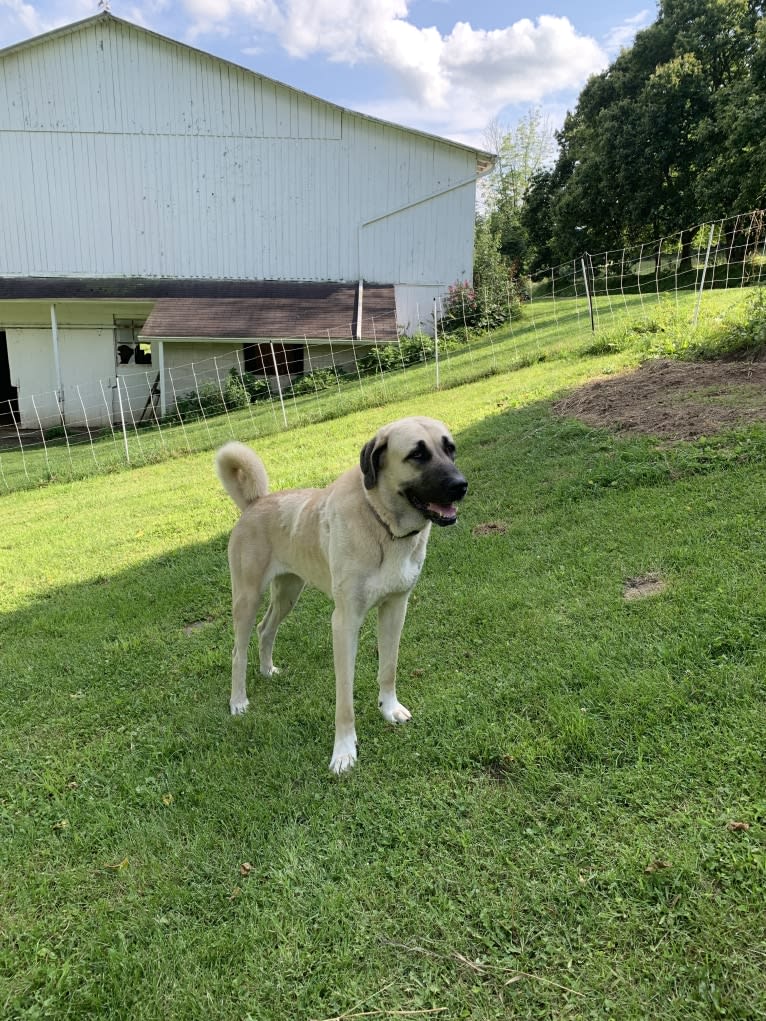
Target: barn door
pixel 9 397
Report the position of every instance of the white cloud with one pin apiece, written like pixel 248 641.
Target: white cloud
pixel 522 63
pixel 24 20
pixel 458 76
pixel 225 16
pixel 22 16
pixel 622 36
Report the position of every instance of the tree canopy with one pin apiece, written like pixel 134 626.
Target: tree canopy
pixel 672 133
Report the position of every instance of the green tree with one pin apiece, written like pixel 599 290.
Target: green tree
pixel 670 134
pixel 522 152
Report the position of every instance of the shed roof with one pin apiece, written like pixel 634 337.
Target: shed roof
pixel 286 310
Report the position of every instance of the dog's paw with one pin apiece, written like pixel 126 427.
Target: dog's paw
pixel 238 708
pixel 394 712
pixel 270 671
pixel 343 756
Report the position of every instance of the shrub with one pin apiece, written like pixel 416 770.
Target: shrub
pixel 476 310
pixel 319 379
pixel 409 351
pixel 212 399
pixel 256 387
pixel 462 309
pixel 667 333
pixel 419 348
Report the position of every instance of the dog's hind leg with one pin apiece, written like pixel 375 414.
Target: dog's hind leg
pixel 391 616
pixel 245 607
pixel 285 590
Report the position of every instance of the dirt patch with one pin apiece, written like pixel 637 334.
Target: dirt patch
pixel 490 528
pixel 197 625
pixel 675 400
pixel 641 588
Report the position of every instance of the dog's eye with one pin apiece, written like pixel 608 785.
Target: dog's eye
pixel 420 454
pixel 449 447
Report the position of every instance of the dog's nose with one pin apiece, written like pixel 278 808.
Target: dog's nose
pixel 458 488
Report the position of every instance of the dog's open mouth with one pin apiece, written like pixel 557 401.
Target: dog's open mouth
pixel 440 514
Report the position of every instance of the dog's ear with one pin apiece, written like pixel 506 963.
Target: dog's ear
pixel 369 461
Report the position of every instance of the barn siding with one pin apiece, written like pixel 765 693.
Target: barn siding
pixel 126 154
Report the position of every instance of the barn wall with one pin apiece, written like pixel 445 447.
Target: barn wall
pixel 127 154
pixel 86 353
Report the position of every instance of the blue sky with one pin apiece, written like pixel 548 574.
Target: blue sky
pixel 449 67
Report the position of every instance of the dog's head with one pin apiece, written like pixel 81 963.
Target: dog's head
pixel 410 464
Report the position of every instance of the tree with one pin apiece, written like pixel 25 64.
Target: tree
pixel 537 220
pixel 670 134
pixel 522 152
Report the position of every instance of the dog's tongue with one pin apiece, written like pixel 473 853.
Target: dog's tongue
pixel 450 511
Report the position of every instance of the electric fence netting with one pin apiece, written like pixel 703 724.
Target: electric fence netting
pixel 145 415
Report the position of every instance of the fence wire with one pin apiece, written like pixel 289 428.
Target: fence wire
pixel 135 418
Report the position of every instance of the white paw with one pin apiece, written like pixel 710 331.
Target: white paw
pixel 270 671
pixel 238 707
pixel 343 756
pixel 395 712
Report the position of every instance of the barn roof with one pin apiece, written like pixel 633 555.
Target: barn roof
pixel 231 309
pixel 315 311
pixel 484 160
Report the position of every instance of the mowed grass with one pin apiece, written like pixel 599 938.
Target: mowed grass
pixel 573 826
pixel 549 330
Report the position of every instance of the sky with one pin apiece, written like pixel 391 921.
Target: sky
pixel 448 67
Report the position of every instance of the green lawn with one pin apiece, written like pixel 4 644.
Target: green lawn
pixel 550 838
pixel 549 330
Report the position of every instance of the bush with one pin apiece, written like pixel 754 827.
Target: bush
pixel 212 400
pixel 477 310
pixel 419 348
pixel 256 387
pixel 462 309
pixel 409 351
pixel 319 379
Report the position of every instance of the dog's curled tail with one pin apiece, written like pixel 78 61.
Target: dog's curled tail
pixel 242 474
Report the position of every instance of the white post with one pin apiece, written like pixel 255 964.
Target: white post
pixel 587 291
pixel 436 344
pixel 704 272
pixel 122 422
pixel 57 359
pixel 279 384
pixel 161 370
pixel 360 293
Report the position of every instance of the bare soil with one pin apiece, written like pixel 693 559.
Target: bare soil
pixel 640 588
pixel 673 400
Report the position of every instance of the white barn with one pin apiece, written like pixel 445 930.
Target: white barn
pixel 160 205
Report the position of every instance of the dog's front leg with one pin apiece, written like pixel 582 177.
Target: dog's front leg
pixel 391 616
pixel 345 639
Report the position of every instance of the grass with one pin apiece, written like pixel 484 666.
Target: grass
pixel 631 327
pixel 553 834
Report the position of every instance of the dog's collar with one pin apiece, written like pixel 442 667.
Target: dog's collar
pixel 387 527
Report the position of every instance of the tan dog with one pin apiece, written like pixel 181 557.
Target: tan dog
pixel 362 541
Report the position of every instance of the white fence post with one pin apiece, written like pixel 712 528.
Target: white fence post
pixel 704 274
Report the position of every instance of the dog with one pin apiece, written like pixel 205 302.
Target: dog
pixel 361 540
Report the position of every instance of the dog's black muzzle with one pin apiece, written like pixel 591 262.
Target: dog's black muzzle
pixel 436 494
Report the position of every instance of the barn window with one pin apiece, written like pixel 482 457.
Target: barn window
pixel 141 354
pixel 286 359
